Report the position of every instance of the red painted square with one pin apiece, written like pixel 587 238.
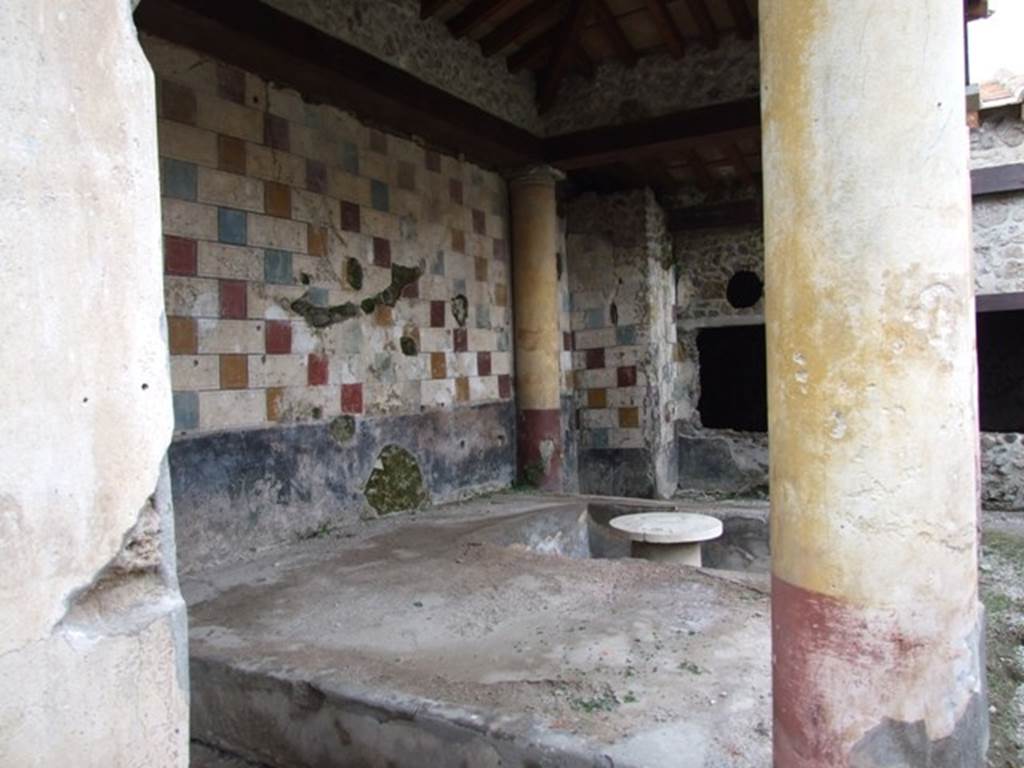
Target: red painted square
pixel 595 358
pixel 349 216
pixel 461 340
pixel 381 252
pixel 412 290
pixel 499 249
pixel 504 386
pixel 567 341
pixel 233 304
pixel 437 310
pixel 627 376
pixel 179 255
pixel 479 222
pixel 483 363
pixel 316 371
pixel 455 190
pixel 279 337
pixel 351 398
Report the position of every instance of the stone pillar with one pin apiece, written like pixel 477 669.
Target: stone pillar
pixel 877 629
pixel 93 656
pixel 538 339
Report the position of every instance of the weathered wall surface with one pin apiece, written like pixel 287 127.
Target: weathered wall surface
pixel 392 31
pixel 999 219
pixel 999 138
pixel 656 85
pixel 624 351
pixel 92 644
pixel 320 272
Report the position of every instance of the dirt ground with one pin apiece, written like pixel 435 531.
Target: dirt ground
pixel 1002 591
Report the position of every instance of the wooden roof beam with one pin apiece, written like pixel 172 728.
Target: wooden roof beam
pixel 663 135
pixel 541 13
pixel 564 50
pixel 742 213
pixel 533 53
pixel 667 27
pixel 616 37
pixel 705 23
pixel 743 19
pixel 477 13
pixel 700 171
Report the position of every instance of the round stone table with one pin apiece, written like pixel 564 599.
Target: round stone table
pixel 667 537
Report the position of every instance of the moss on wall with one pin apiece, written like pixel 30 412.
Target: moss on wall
pixel 396 483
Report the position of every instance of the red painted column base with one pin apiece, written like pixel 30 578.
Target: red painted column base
pixel 539 443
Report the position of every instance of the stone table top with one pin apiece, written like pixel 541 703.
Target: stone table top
pixel 668 527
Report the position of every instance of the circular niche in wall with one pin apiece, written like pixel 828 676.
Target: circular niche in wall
pixel 745 289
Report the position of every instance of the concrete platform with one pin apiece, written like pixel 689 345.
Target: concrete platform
pixel 448 639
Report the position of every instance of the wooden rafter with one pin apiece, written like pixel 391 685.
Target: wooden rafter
pixel 667 26
pixel 533 53
pixel 665 135
pixel 742 213
pixel 563 52
pixel 477 13
pixel 541 13
pixel 430 7
pixel 705 23
pixel 743 18
pixel 738 161
pixel 616 37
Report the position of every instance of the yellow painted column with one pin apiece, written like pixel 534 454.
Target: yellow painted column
pixel 538 338
pixel 872 386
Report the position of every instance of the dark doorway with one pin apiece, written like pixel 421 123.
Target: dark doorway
pixel 733 381
pixel 1001 371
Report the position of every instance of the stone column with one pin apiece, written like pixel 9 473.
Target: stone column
pixel 877 629
pixel 537 334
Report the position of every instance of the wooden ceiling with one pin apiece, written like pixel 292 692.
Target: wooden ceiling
pixel 555 37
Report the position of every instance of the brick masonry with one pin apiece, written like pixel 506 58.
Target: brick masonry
pixel 267 200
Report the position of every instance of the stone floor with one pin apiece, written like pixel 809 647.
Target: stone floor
pixel 431 641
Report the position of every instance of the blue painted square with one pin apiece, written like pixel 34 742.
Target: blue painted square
pixel 178 179
pixel 186 410
pixel 318 296
pixel 599 438
pixel 459 285
pixel 231 226
pixel 277 267
pixel 566 303
pixel 625 335
pixel 437 265
pixel 350 158
pixel 380 197
pixel 483 316
pixel 593 318
pixel 503 342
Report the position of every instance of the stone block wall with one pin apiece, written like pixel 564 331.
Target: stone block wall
pixel 716 462
pixel 320 272
pixel 623 342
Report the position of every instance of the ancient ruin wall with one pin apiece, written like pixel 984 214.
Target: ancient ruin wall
pixel 656 85
pixel 392 31
pixel 331 290
pixel 728 463
pixel 623 344
pixel 93 658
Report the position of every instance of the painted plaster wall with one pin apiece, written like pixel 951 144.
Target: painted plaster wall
pixel 289 231
pixel 624 350
pixel 393 31
pixel 92 644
